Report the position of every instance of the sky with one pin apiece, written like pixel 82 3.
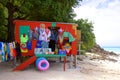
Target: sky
pixel 105 16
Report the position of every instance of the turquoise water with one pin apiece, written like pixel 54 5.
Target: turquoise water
pixel 114 49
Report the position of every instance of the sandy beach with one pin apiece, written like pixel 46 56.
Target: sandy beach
pixel 86 70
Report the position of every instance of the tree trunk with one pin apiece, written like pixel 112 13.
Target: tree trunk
pixel 10 22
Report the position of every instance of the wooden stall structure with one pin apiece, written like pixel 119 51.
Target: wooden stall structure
pixel 25 30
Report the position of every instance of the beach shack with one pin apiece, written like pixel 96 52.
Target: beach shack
pixel 41 39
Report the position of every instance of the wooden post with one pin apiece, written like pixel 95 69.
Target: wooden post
pixel 75 61
pixel 64 67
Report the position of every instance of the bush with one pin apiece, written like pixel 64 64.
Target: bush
pixel 82 52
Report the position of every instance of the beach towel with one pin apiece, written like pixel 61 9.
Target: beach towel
pixel 24 30
pixel 23 38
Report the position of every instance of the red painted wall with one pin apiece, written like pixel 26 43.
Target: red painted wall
pixel 33 24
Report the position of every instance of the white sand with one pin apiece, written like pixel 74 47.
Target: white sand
pixel 86 70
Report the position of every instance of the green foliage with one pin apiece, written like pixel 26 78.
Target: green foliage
pixel 53 10
pixel 2 15
pixel 87 35
pixel 42 10
pixel 3 2
pixel 3 29
pixel 82 52
pixel 3 33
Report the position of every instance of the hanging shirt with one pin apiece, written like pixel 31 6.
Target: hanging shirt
pixel 3 52
pixel 0 47
pixel 8 51
pixel 60 41
pixel 35 33
pixel 11 49
pixel 44 34
pixel 39 44
pixel 29 45
pixel 54 35
pixel 30 34
pixel 48 32
pixel 23 38
pixel 23 47
pixel 14 50
pixel 67 34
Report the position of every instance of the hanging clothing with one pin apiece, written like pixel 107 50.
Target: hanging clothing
pixel 60 38
pixel 52 45
pixel 68 52
pixel 67 34
pixel 39 44
pixel 24 30
pixel 14 53
pixel 60 42
pixel 18 51
pixel 30 34
pixel 23 47
pixel 0 47
pixel 29 45
pixel 36 33
pixel 8 51
pixel 43 35
pixel 48 32
pixel 54 35
pixel 44 44
pixel 14 45
pixel 65 40
pixel 23 38
pixel 2 52
pixel 5 50
pixel 68 48
pixel 11 49
pixel 0 58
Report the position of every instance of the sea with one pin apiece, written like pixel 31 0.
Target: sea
pixel 112 49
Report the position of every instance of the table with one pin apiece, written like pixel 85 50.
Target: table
pixel 53 56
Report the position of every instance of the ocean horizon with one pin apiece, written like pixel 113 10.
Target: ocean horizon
pixel 112 49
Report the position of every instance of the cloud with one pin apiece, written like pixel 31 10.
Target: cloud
pixel 105 14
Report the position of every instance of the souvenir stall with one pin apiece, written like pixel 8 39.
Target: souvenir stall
pixel 40 40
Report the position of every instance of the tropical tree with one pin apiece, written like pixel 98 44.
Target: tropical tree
pixel 3 30
pixel 87 35
pixel 45 10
